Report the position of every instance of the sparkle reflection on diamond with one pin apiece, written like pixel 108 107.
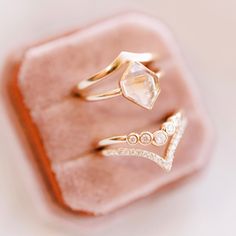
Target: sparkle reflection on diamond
pixel 169 128
pixel 140 85
pixel 145 138
pixel 160 137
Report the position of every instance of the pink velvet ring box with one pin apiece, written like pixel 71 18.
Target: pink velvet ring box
pixel 61 128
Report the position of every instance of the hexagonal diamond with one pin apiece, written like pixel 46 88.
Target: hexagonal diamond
pixel 140 85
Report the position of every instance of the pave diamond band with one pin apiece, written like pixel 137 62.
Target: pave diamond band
pixel 138 83
pixel 157 138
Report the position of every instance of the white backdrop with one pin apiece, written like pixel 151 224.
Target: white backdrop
pixel 205 30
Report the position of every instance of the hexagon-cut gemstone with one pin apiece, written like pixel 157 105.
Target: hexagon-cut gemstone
pixel 140 85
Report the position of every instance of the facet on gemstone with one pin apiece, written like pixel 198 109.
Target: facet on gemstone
pixel 145 138
pixel 160 137
pixel 140 85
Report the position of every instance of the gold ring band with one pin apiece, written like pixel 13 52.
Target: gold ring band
pixel 173 128
pixel 138 83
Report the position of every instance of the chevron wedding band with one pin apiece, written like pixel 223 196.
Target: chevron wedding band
pixel 169 134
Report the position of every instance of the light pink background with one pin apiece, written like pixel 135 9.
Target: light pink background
pixel 204 30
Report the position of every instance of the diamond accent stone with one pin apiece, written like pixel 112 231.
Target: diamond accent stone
pixel 138 153
pixel 132 138
pixel 160 137
pixel 140 85
pixel 145 138
pixel 169 127
pixel 175 140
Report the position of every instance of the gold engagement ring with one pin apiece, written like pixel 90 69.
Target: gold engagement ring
pixel 138 83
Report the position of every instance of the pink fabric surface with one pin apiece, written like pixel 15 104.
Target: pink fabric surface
pixel 69 127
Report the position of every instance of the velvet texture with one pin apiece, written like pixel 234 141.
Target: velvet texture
pixel 69 127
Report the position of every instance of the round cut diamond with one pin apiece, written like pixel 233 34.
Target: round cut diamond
pixel 145 138
pixel 132 138
pixel 169 128
pixel 160 137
